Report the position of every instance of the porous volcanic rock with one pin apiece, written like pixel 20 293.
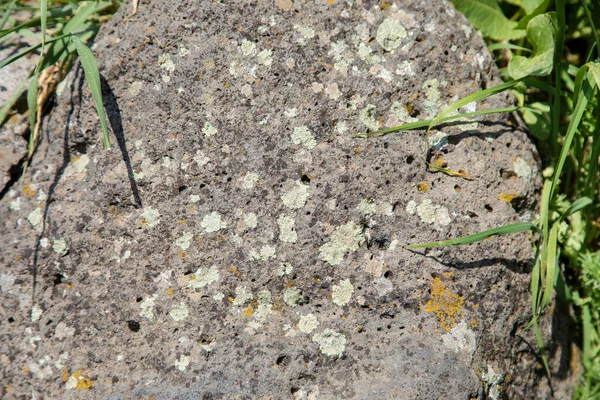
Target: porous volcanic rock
pixel 238 242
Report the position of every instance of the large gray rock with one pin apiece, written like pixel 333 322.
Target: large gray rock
pixel 238 242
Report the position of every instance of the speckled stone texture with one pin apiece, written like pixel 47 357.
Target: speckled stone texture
pixel 238 242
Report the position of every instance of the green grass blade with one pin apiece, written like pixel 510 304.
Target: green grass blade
pixel 425 123
pixel 576 206
pixel 510 46
pixel 28 50
pixel 6 14
pixel 478 96
pixel 32 94
pixel 92 75
pixel 550 267
pixel 477 237
pixel 43 16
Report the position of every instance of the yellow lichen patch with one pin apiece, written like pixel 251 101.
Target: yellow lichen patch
pixel 343 317
pixel 330 1
pixel 182 255
pixel 447 274
pixel 357 150
pixel 8 389
pixel 508 197
pixel 170 292
pixel 446 305
pixel 28 191
pixel 65 375
pixel 289 284
pixel 25 369
pixel 69 286
pixel 192 278
pixel 226 84
pixel 82 381
pixel 231 299
pixel 249 311
pixel 234 270
pixel 113 210
pixel 182 221
pixel 439 161
pixel 423 187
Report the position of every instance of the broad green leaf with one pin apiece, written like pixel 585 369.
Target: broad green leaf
pixel 532 12
pixel 537 118
pixel 477 237
pixel 92 76
pixel 489 19
pixel 595 72
pixel 541 33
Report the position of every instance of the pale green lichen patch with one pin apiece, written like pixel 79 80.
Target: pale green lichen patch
pixel 341 294
pixel 287 230
pixel 292 296
pixel 183 52
pixel 194 198
pixel 209 130
pixel 342 60
pixel 401 112
pixel 344 239
pixel 390 34
pixel 411 207
pixel 250 180
pixel 60 247
pixel 266 252
pixel 331 343
pixel 203 278
pixel 405 69
pixel 295 194
pixel 212 222
pixel 368 116
pixel 367 206
pixel 166 63
pixel 430 213
pixel 308 323
pixel 365 54
pixel 302 136
pixel 291 112
pixel 264 305
pixel 248 48
pixel 432 97
pixel 36 313
pixel 151 217
pixel 251 220
pixel 182 363
pixel 147 307
pixel 333 91
pixel 492 381
pixel 184 241
pixel 265 58
pixel 437 141
pixel 179 312
pixel 242 295
pixel 81 163
pixel 306 34
pixel 522 169
pixel 285 268
pixel 35 217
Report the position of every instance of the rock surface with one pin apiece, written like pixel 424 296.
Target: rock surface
pixel 238 242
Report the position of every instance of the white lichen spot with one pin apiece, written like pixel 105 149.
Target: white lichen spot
pixel 183 51
pixel 492 382
pixel 35 217
pixel 308 323
pixel 182 363
pixel 212 222
pixel 147 307
pixel 307 33
pixel 15 205
pixel 184 241
pixel 365 54
pixel 166 63
pixel 285 268
pixel 209 130
pixel 302 136
pixel 44 242
pixel 426 211
pixel 401 112
pixel 292 296
pixel 390 34
pixel 442 216
pixel 287 229
pixel 333 92
pixel 60 247
pixel 341 294
pixel 201 159
pixel 467 30
pixel 368 116
pixel 242 295
pixel 295 194
pixel 151 217
pixel 179 312
pixel 291 112
pixel 63 331
pixel 166 78
pixel 338 52
pixel 461 339
pixel 522 169
pixel 344 239
pixel 341 127
pixel 203 278
pixel 218 296
pixel 437 141
pixel 250 180
pixel 265 58
pixel 405 69
pixel 194 198
pixel 367 206
pixel 36 313
pixel 247 90
pixel 386 209
pixel 264 305
pixel 81 163
pixel 251 220
pixel 432 96
pixel 248 47
pixel 331 343
pixel 383 286
pixel 316 87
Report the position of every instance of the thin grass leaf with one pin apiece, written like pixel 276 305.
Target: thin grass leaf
pixel 425 123
pixel 541 347
pixel 28 50
pixel 92 76
pixel 477 96
pixel 43 16
pixel 477 237
pixel 510 46
pixel 32 95
pixel 550 267
pixel 576 206
pixel 12 101
pixel 6 14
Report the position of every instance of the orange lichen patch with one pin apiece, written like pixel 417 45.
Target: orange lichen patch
pixel 447 274
pixel 343 317
pixel 508 197
pixel 25 369
pixel 113 210
pixel 69 286
pixel 19 257
pixel 65 375
pixel 82 381
pixel 192 278
pixel 226 84
pixel 439 161
pixel 170 292
pixel 357 150
pixel 231 299
pixel 28 191
pixel 446 305
pixel 330 1
pixel 234 270
pixel 182 254
pixel 8 389
pixel 249 311
pixel 423 187
pixel 289 284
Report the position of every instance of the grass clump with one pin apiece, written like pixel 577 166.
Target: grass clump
pixel 548 57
